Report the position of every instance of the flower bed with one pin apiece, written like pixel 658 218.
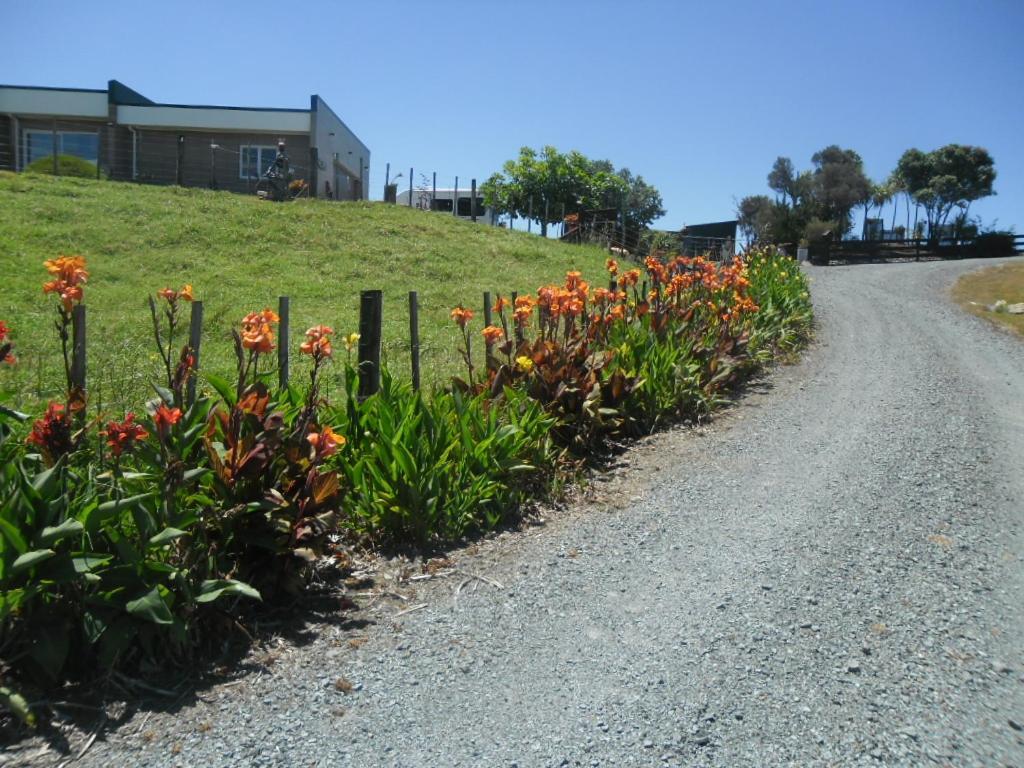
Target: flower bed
pixel 140 538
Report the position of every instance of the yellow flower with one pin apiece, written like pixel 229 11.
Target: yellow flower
pixel 524 364
pixel 350 341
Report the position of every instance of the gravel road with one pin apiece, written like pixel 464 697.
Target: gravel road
pixel 830 574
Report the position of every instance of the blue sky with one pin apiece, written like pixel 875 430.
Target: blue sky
pixel 699 98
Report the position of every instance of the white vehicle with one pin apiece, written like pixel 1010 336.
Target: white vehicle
pixel 448 201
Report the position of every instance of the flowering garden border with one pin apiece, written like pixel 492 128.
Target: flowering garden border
pixel 142 538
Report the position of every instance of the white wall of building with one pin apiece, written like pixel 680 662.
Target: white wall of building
pixel 215 118
pixel 340 152
pixel 49 101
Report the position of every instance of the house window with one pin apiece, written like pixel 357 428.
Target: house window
pixel 441 204
pixel 464 209
pixel 254 161
pixel 80 144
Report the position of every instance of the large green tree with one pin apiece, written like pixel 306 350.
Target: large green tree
pixel 953 176
pixel 570 182
pixel 839 185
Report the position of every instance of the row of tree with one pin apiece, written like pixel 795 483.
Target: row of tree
pixel 546 185
pixel 819 203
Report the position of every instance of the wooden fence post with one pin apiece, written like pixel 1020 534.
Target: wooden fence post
pixel 370 318
pixel 518 332
pixel 410 187
pixel 414 337
pixel 488 347
pixel 78 347
pixel 282 348
pixel 472 200
pixel 195 336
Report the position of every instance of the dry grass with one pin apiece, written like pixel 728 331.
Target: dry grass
pixel 977 291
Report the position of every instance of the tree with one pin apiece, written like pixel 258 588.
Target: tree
pixel 953 176
pixel 754 213
pixel 840 184
pixel 641 206
pixel 571 182
pixel 783 180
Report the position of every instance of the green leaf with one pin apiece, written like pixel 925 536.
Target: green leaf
pixel 192 474
pixel 17 704
pixel 53 533
pixel 166 535
pixel 13 535
pixel 224 388
pixel 11 413
pixel 211 589
pixel 31 559
pixel 95 518
pixel 165 394
pixel 150 607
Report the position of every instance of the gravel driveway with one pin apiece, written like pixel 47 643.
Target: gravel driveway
pixel 830 574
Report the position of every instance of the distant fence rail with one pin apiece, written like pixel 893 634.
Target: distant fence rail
pixel 861 251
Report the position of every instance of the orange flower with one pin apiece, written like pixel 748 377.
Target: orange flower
pixel 501 303
pixel 318 342
pixel 257 334
pixel 122 436
pixel 462 316
pixel 492 334
pixel 326 442
pixel 67 269
pixel 165 418
pixel 612 266
pixel 68 292
pixel 172 295
pixel 572 279
pixel 632 277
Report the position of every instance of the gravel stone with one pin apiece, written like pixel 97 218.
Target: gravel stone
pixel 875 488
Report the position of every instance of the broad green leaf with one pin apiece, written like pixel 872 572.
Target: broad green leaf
pixel 224 388
pixel 13 535
pixel 31 559
pixel 166 535
pixel 211 589
pixel 150 607
pixel 54 533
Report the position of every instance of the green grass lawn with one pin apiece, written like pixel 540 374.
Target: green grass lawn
pixel 240 254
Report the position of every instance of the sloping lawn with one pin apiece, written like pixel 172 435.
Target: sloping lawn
pixel 240 254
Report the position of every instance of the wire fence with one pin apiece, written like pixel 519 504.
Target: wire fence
pixel 235 162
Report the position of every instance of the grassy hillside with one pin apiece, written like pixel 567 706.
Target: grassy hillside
pixel 240 254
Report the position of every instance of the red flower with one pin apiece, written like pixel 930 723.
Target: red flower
pixel 52 433
pixel 165 418
pixel 122 436
pixel 6 356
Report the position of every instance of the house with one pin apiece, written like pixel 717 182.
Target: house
pixel 457 202
pixel 131 138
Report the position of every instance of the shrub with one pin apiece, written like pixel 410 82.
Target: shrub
pixel 67 165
